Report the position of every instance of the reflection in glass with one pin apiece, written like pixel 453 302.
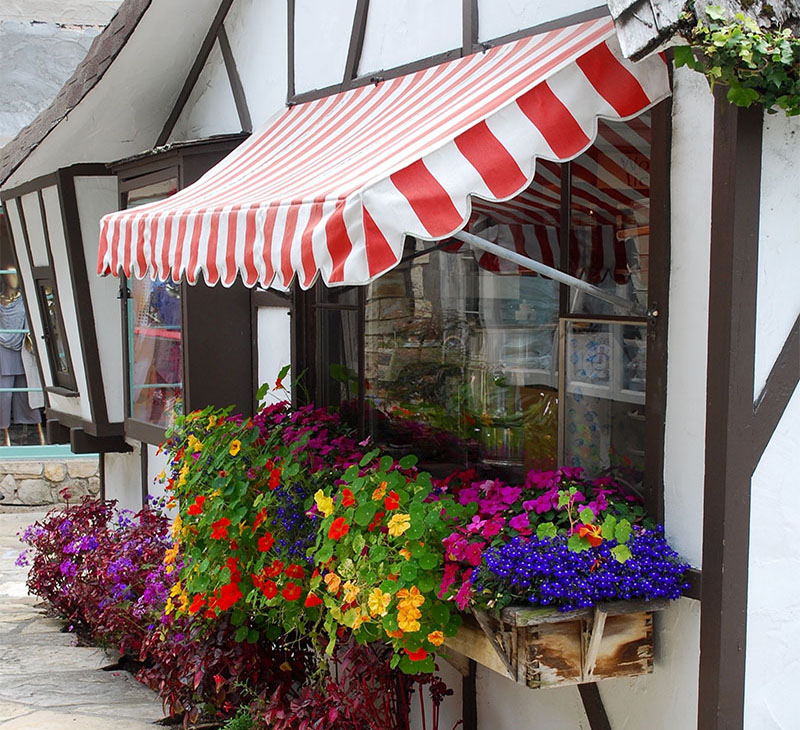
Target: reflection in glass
pixel 156 366
pixel 55 335
pixel 610 232
pixel 460 360
pixel 604 403
pixel 154 334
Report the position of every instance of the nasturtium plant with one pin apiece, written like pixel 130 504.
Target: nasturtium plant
pixel 756 64
pixel 379 558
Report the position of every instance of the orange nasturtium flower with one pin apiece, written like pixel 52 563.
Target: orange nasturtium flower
pixel 436 638
pixel 379 492
pixel 410 597
pixel 197 507
pixel 338 529
pixel 399 524
pixel 398 634
pixel 312 600
pixel 333 582
pixel 348 498
pixel 236 445
pixel 593 533
pixel 392 501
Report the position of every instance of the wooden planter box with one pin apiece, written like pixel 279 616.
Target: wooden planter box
pixel 543 647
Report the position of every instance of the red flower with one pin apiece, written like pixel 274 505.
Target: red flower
pixel 266 542
pixel 592 533
pixel 268 588
pixel 228 595
pixel 197 507
pixel 348 498
pixel 376 521
pixel 392 500
pixel 312 600
pixel 211 613
pixel 418 655
pixel 295 571
pixel 197 603
pixel 274 478
pixel 231 564
pixel 219 529
pixel 339 528
pixel 260 517
pixel 234 545
pixel 275 569
pixel 292 591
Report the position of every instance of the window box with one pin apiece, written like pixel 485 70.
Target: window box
pixel 544 647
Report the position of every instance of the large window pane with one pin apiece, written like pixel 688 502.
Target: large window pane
pixel 610 233
pixel 56 341
pixel 156 362
pixel 155 366
pixel 460 361
pixel 604 402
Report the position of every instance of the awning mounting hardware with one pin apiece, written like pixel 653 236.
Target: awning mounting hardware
pixel 555 274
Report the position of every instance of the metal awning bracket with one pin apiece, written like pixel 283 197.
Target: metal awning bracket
pixel 555 274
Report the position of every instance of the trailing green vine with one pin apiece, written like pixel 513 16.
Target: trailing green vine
pixel 758 66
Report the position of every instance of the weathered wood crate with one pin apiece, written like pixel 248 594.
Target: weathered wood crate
pixel 542 647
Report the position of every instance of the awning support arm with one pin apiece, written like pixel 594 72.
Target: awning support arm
pixel 556 275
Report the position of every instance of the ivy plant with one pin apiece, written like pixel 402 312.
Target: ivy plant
pixel 758 66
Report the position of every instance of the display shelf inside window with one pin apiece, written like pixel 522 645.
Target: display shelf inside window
pixel 155 354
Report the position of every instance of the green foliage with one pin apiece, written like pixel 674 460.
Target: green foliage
pixel 242 720
pixel 757 65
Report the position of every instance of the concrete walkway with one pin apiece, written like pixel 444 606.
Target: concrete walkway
pixel 47 683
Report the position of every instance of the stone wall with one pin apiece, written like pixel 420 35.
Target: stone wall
pixel 42 482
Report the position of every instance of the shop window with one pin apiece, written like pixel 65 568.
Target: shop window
pixel 155 357
pixel 471 361
pixel 54 336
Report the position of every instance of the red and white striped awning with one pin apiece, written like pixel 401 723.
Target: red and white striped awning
pixel 333 186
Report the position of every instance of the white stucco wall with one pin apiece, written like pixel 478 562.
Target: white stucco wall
pixel 274 343
pixel 687 351
pixel 322 37
pixel 66 295
pixel 500 17
pixel 96 197
pixel 773 611
pixel 779 241
pixel 772 669
pixel 123 478
pixel 399 33
pixel 156 463
pixel 210 108
pixel 257 32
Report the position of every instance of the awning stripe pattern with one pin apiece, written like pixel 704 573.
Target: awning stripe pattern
pixel 332 187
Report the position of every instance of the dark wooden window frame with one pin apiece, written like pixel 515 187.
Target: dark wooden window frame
pixel 186 162
pixel 470 44
pixel 45 275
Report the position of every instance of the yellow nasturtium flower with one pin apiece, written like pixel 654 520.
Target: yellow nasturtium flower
pixel 351 591
pixel 378 602
pixel 177 525
pixel 194 443
pixel 236 445
pixel 324 503
pixel 212 421
pixel 407 619
pixel 399 524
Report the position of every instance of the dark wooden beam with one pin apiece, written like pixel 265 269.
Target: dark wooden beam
pixel 773 399
pixel 83 443
pixel 194 72
pixel 469 26
pixel 56 433
pixel 290 90
pixel 239 97
pixel 735 198
pixel 469 698
pixel 356 42
pixel 593 706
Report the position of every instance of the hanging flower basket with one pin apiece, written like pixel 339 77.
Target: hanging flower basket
pixel 544 647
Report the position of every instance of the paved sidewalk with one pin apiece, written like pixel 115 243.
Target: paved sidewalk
pixel 46 683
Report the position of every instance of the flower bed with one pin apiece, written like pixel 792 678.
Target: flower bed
pixel 296 545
